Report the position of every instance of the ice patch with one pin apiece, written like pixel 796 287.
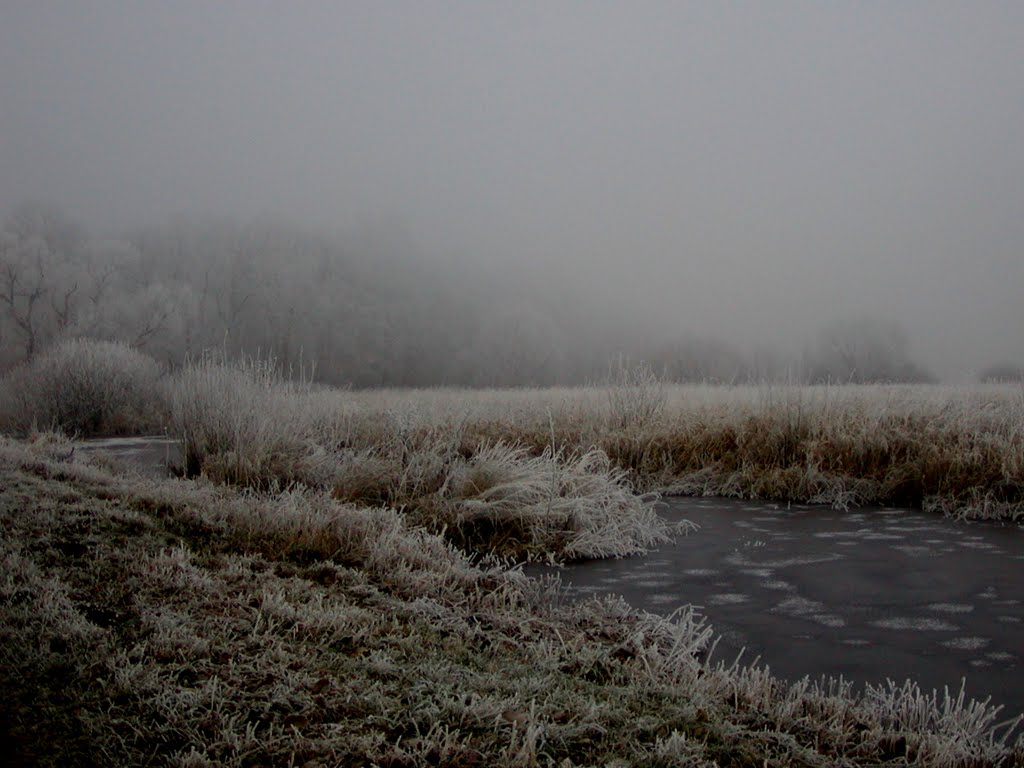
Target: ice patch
pixel 916 624
pixel 700 572
pixel 652 583
pixel 742 561
pixel 662 599
pixel 804 608
pixel 864 534
pixel 950 607
pixel 728 598
pixel 798 606
pixel 1000 656
pixel 835 534
pixel 966 643
pixel 911 550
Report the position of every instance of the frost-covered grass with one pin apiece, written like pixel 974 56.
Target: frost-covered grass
pixel 190 623
pixel 243 425
pixel 545 473
pixel 956 450
pixel 333 585
pixel 959 450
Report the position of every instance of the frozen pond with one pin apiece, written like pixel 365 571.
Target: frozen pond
pixel 866 594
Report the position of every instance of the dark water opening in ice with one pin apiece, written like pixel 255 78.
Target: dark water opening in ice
pixel 868 594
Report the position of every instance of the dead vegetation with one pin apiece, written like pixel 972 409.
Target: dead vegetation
pixel 243 425
pixel 331 586
pixel 185 623
pixel 556 473
pixel 959 451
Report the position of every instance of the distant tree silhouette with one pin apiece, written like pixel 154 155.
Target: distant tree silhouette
pixel 1002 372
pixel 863 350
pixel 41 275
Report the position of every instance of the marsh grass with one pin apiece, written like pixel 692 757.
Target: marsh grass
pixel 556 472
pixel 192 624
pixel 956 450
pixel 244 424
pixel 636 396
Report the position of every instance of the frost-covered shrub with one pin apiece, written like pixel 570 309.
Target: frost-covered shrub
pixel 84 387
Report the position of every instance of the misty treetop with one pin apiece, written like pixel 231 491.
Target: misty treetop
pixel 360 315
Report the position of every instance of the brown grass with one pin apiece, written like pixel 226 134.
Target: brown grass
pixel 554 473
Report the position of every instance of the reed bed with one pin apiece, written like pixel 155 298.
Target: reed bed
pixel 242 424
pixel 957 450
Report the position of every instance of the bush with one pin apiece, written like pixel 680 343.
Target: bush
pixel 84 387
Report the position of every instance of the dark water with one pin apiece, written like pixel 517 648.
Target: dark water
pixel 867 594
pixel 154 456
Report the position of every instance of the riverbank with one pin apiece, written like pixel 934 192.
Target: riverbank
pixel 195 624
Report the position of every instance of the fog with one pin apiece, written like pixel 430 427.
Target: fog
pixel 640 172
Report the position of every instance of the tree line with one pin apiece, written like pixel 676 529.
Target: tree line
pixel 362 318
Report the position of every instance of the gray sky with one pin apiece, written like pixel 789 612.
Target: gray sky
pixel 744 170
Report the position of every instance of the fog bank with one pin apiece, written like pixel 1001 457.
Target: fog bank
pixel 666 172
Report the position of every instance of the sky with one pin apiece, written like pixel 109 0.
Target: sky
pixel 749 171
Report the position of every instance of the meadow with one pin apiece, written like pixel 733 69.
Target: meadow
pixel 333 580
